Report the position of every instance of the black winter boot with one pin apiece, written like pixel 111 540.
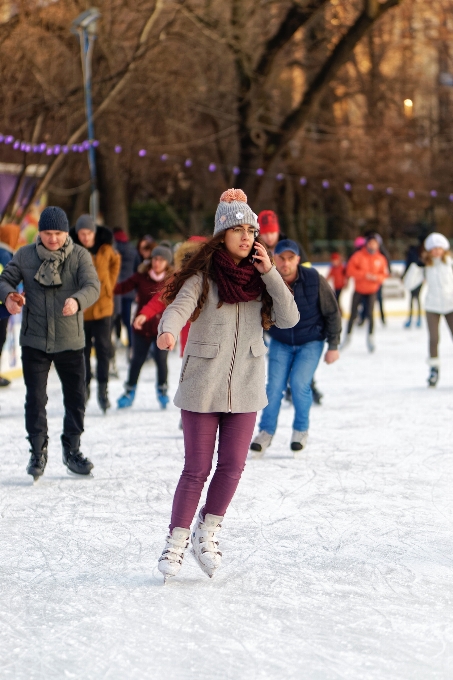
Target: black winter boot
pixel 103 397
pixel 73 458
pixel 38 459
pixel 317 395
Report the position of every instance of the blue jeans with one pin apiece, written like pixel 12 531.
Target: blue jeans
pixel 298 364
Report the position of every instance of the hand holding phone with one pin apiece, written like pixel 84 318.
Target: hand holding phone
pixel 253 253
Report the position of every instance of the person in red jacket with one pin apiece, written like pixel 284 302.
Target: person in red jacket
pixel 368 267
pixel 337 274
pixel 148 280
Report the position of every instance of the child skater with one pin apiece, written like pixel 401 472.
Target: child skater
pixel 148 280
pixel 231 295
pixel 439 296
pixel 337 274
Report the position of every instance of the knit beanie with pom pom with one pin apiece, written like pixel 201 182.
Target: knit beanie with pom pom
pixel 233 210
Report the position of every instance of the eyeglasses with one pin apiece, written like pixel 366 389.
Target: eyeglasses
pixel 239 231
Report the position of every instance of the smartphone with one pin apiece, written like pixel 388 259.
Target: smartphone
pixel 254 252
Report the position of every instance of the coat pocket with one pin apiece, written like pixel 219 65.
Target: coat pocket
pixel 204 350
pixel 201 350
pixel 258 349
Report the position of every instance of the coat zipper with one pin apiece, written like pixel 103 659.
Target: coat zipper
pixel 184 369
pixel 233 357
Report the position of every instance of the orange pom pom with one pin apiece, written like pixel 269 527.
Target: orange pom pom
pixel 231 195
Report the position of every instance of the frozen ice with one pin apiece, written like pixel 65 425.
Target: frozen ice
pixel 336 566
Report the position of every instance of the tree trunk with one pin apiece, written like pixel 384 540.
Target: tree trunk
pixel 111 189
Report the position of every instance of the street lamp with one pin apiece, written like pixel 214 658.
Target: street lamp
pixel 85 27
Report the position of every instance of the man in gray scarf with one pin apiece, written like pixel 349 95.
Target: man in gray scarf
pixel 59 282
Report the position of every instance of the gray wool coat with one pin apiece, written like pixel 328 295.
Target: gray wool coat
pixel 223 368
pixel 43 325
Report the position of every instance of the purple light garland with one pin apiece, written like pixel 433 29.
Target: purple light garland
pixel 56 149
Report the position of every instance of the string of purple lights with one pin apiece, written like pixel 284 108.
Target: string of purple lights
pixel 57 149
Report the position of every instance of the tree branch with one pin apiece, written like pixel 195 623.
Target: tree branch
pixel 296 17
pixel 138 53
pixel 338 57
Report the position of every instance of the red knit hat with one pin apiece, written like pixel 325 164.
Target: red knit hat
pixel 268 222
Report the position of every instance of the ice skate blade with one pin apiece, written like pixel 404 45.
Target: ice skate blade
pixel 202 566
pixel 77 475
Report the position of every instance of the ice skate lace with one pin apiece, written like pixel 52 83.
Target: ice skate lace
pixel 207 537
pixel 174 549
pixel 78 457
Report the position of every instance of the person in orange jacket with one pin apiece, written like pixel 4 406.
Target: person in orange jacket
pixel 368 267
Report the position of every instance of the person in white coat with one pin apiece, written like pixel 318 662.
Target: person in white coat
pixel 230 296
pixel 439 296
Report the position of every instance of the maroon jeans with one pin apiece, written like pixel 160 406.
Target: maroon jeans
pixel 200 429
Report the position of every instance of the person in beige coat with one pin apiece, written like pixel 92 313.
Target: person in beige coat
pixel 230 294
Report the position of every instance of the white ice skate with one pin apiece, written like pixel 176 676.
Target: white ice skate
pixel 204 543
pixel 370 343
pixel 170 561
pixel 298 441
pixel 261 442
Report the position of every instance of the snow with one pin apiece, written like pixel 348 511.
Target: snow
pixel 336 565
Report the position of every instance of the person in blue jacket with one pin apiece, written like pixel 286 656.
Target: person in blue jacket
pixel 294 353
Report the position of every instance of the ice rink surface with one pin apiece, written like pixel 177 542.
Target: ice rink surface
pixel 337 565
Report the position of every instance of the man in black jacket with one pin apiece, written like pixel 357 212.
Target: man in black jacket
pixel 59 283
pixel 294 353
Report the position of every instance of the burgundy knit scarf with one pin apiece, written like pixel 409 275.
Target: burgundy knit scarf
pixel 236 282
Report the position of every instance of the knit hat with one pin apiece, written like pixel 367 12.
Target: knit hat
pixel 233 210
pixel 287 244
pixel 374 237
pixel 268 222
pixel 85 222
pixel 436 240
pixel 53 219
pixel 163 251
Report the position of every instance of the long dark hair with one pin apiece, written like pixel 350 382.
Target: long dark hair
pixel 201 263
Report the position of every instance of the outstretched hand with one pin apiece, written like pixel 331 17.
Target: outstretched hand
pixel 14 303
pixel 139 320
pixel 262 259
pixel 166 341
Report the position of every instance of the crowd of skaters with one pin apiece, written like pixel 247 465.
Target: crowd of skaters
pixel 245 293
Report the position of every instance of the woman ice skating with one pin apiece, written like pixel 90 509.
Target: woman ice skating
pixel 229 300
pixel 439 296
pixel 147 281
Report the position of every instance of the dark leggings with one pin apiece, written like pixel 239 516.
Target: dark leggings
pixel 140 349
pixel 368 306
pixel 98 333
pixel 415 295
pixel 200 429
pixel 432 320
pixel 3 330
